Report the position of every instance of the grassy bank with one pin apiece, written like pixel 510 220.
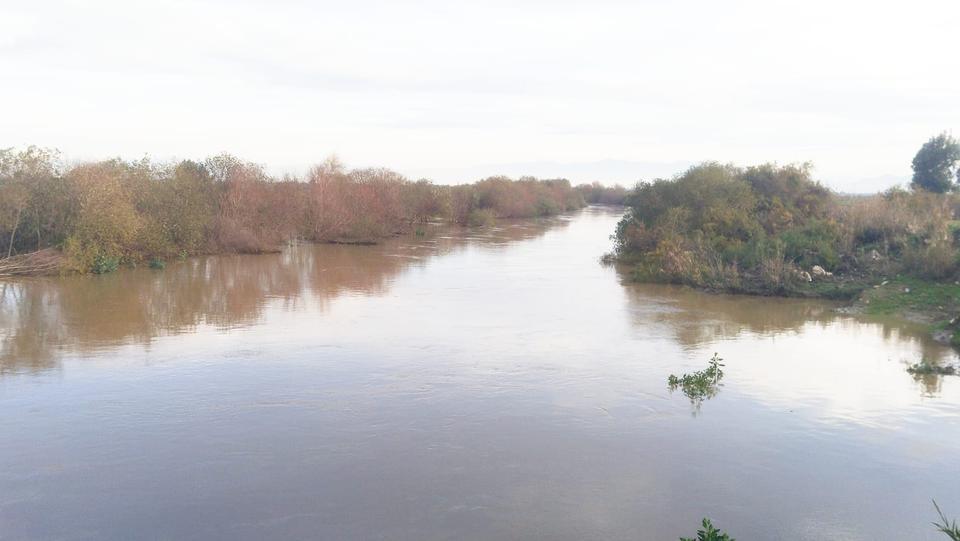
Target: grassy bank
pixel 936 305
pixel 99 216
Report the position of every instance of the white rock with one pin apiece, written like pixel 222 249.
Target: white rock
pixel 817 270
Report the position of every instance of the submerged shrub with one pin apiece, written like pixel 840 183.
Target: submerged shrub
pixel 926 367
pixel 708 533
pixel 699 385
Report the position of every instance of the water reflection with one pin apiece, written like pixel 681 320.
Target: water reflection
pixel 695 318
pixel 468 385
pixel 42 319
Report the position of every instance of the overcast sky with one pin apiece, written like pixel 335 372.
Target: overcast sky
pixel 610 90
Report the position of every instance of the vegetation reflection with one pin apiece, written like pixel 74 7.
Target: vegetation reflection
pixel 43 318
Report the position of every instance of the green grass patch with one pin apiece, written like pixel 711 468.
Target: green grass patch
pixel 939 299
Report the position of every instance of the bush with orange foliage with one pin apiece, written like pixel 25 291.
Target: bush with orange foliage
pixel 104 214
pixel 501 197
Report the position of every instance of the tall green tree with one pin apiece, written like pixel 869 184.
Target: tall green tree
pixel 935 165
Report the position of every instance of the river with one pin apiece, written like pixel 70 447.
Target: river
pixel 463 384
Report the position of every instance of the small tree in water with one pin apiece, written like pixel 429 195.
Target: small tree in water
pixel 708 533
pixel 701 384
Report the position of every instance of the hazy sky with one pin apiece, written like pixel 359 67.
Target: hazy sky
pixel 613 90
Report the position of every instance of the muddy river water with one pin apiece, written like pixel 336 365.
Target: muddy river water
pixel 465 384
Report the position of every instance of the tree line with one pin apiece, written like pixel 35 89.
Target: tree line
pixel 96 216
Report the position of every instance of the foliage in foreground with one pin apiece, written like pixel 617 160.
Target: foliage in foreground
pixel 708 533
pixel 102 215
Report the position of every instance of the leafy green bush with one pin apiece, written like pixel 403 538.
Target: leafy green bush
pixel 814 243
pixel 926 367
pixel 701 384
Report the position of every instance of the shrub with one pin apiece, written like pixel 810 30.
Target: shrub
pixel 481 217
pixel 926 367
pixel 103 264
pixel 501 197
pixel 701 384
pixel 814 243
pixel 935 262
pixel 106 223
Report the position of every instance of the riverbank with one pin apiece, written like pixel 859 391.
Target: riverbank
pixel 934 305
pixel 775 231
pixel 99 216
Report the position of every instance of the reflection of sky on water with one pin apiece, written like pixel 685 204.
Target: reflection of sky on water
pixel 464 385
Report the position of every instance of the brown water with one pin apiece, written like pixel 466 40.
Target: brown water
pixel 497 384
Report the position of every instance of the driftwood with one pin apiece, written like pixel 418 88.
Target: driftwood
pixel 39 263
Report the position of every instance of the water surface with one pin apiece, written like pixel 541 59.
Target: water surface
pixel 469 384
